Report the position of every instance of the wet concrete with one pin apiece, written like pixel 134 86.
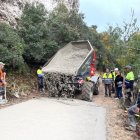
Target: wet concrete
pixel 50 119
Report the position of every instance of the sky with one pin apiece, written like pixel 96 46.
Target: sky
pixel 109 12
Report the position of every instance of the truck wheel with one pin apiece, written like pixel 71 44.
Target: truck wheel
pixel 87 92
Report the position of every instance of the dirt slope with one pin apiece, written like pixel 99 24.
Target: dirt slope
pixel 116 118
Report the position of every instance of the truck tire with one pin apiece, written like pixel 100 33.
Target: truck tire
pixel 87 92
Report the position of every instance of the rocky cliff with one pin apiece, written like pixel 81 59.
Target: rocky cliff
pixel 11 10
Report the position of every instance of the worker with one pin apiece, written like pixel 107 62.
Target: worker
pixel 2 81
pixel 129 80
pixel 114 74
pixel 118 85
pixel 132 111
pixel 107 80
pixel 2 74
pixel 40 76
pixel 137 89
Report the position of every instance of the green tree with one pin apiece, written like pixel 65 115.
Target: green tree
pixel 134 52
pixel 122 44
pixel 44 33
pixel 63 25
pixel 35 32
pixel 11 47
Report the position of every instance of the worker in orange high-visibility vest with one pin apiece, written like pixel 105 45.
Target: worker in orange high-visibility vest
pixel 2 83
pixel 107 80
pixel 2 75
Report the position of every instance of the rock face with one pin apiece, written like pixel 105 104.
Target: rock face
pixel 11 10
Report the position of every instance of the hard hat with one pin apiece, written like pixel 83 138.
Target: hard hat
pixel 116 69
pixel 1 63
pixel 88 78
pixel 128 67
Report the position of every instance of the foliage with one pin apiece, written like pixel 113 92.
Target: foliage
pixel 64 25
pixel 43 33
pixel 35 32
pixel 11 47
pixel 130 28
pixel 134 52
pixel 122 45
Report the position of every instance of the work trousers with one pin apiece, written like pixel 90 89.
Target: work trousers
pixel 119 92
pixel 108 89
pixel 128 96
pixel 131 116
pixel 40 83
pixel 113 88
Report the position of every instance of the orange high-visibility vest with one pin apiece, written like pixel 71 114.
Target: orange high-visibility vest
pixel 2 76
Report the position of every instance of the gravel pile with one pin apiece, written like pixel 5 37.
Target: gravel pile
pixel 68 59
pixel 58 85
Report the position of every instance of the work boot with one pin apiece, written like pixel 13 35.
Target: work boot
pixel 110 95
pixel 130 128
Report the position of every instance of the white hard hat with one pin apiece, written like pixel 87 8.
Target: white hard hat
pixel 116 69
pixel 1 63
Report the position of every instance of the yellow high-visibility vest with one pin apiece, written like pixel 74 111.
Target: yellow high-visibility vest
pixel 114 75
pixel 130 76
pixel 39 71
pixel 109 76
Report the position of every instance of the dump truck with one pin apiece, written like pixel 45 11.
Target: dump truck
pixel 71 72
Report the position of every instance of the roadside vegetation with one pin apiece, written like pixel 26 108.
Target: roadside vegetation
pixel 39 35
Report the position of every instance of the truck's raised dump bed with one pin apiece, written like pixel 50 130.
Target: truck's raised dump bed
pixel 68 59
pixel 73 59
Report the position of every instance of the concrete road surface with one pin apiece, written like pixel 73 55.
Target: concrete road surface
pixel 51 119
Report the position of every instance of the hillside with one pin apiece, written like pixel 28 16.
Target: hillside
pixel 11 10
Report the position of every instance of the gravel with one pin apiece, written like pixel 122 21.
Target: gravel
pixel 68 59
